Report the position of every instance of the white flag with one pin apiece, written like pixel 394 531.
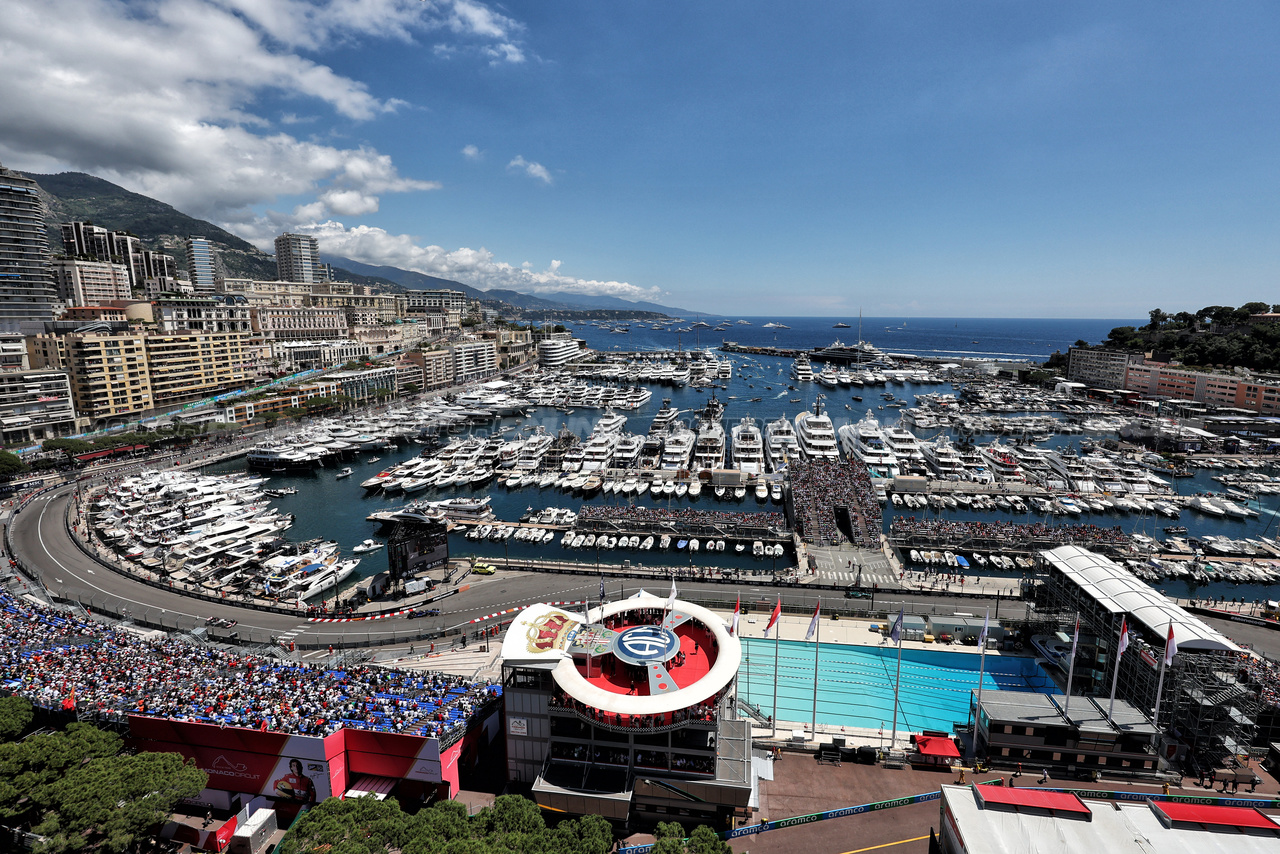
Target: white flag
pixel 737 612
pixel 671 600
pixel 986 622
pixel 813 624
pixel 1170 647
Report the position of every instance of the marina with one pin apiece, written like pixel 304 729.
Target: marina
pixel 614 435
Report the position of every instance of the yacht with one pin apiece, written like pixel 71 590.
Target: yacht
pixel 943 458
pixel 1003 464
pixel 369 545
pixel 597 451
pixel 801 370
pixel 865 441
pixel 678 448
pixel 530 457
pixel 626 454
pixel 748 447
pixel 708 449
pixel 780 443
pixel 664 418
pixel 829 377
pixel 904 446
pixel 815 436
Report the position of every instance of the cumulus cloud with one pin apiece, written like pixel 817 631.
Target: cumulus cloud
pixel 530 168
pixel 160 95
pixel 471 152
pixel 476 267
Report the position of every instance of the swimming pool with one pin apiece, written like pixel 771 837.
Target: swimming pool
pixel 855 683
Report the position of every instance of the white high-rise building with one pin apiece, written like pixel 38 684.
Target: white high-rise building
pixel 26 282
pixel 298 259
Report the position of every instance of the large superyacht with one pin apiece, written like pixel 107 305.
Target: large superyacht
pixel 780 445
pixel 815 435
pixel 748 447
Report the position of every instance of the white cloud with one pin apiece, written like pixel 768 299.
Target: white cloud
pixel 160 95
pixel 475 267
pixel 530 168
pixel 471 152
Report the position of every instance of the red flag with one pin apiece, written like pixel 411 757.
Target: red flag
pixel 813 624
pixel 1124 637
pixel 1170 647
pixel 70 702
pixel 773 618
pixel 737 612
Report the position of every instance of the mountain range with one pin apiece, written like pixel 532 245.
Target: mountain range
pixel 72 196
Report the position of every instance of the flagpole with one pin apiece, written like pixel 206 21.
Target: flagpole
pixel 817 640
pixel 897 684
pixel 777 631
pixel 1071 670
pixel 1164 664
pixel 982 669
pixel 1115 676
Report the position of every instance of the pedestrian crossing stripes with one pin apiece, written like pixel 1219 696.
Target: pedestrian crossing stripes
pixel 867 577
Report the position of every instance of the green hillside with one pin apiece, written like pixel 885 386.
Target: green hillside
pixel 77 196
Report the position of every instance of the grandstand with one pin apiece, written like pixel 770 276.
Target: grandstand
pixel 210 697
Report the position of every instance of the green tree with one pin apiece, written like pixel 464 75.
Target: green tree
pixel 70 447
pixel 1158 317
pixel 352 826
pixel 74 788
pixel 704 840
pixel 112 801
pixel 11 464
pixel 15 717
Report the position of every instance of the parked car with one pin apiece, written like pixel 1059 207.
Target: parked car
pixel 484 569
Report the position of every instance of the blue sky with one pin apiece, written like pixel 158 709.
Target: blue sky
pixel 977 159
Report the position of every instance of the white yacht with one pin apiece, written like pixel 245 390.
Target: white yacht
pixel 829 377
pixel 815 436
pixel 1004 465
pixel 664 418
pixel 943 458
pixel 626 454
pixel 597 451
pixel 780 443
pixel 678 448
pixel 748 447
pixel 708 449
pixel 904 445
pixel 865 441
pixel 801 370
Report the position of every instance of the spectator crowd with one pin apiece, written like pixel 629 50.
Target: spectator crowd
pixel 820 486
pixel 60 660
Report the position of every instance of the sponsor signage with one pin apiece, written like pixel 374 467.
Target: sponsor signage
pixel 518 726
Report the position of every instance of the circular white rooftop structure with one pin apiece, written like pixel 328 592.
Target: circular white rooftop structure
pixel 633 657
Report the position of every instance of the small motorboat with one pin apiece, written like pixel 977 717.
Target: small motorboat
pixel 369 545
pixel 346 472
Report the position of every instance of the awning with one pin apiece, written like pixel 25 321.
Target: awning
pixel 933 745
pixel 368 784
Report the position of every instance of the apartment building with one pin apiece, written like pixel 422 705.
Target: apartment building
pixel 361 309
pixel 35 405
pixel 107 372
pixel 298 323
pixel 1098 368
pixel 81 283
pixel 298 259
pixel 189 366
pixel 259 293
pixel 437 368
pixel 474 360
pixel 202 314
